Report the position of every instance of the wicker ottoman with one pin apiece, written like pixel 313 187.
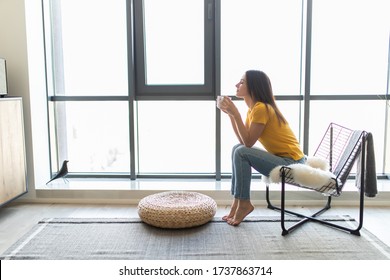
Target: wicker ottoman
pixel 177 209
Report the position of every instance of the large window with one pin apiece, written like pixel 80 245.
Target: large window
pixel 132 83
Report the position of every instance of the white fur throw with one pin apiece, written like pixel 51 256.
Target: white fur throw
pixel 314 175
pixel 317 162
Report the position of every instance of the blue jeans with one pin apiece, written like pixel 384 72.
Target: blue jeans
pixel 244 159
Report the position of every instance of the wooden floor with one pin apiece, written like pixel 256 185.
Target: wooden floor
pixel 16 219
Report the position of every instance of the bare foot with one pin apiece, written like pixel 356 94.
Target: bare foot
pixel 243 210
pixel 233 209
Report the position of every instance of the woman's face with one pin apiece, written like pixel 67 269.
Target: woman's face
pixel 242 89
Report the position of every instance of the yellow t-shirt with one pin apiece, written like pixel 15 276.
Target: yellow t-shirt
pixel 278 139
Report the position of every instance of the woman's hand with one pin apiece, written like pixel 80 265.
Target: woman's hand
pixel 227 106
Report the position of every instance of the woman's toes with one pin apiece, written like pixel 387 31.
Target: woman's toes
pixel 240 215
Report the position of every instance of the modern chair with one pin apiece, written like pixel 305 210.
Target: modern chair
pixel 339 150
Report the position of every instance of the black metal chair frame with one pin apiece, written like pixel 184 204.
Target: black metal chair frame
pixel 338 168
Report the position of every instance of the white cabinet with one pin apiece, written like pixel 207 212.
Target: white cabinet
pixel 13 174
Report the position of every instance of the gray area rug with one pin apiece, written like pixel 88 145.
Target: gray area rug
pixel 255 238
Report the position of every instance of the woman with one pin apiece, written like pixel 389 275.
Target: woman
pixel 264 123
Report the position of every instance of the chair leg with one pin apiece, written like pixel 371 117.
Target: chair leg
pixel 305 218
pixel 269 204
pixel 283 211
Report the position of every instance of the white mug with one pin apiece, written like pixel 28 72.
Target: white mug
pixel 220 100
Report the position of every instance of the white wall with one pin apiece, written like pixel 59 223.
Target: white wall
pixel 13 47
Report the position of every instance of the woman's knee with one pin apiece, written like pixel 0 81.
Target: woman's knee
pixel 236 146
pixel 240 151
pixel 234 149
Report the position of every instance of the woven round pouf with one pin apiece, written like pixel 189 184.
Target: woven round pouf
pixel 177 209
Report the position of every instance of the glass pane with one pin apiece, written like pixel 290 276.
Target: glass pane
pixel 264 35
pixel 176 137
pixel 90 47
pixel 350 47
pixel 290 110
pixel 174 39
pixel 93 136
pixel 322 113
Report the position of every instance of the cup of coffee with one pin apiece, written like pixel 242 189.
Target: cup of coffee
pixel 220 100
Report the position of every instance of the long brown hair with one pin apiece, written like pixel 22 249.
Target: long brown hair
pixel 260 90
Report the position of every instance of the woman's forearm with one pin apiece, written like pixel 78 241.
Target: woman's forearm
pixel 247 135
pixel 234 125
pixel 241 130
